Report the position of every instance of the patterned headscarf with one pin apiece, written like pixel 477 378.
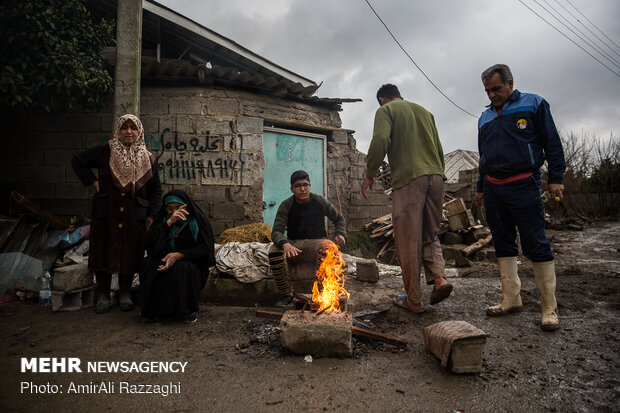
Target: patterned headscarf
pixel 130 166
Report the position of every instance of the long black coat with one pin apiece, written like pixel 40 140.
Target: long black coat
pixel 118 220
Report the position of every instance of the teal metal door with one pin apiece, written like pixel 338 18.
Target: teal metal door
pixel 286 152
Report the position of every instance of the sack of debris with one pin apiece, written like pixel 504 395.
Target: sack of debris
pixel 248 262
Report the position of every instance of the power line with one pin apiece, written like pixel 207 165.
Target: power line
pixel 589 40
pixel 592 24
pixel 586 27
pixel 413 61
pixel 579 46
pixel 592 45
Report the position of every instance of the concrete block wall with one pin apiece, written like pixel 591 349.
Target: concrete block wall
pixel 207 141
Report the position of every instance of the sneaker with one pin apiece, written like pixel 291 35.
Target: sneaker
pixel 284 302
pixel 190 318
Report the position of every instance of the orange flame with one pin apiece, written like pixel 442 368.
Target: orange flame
pixel 331 277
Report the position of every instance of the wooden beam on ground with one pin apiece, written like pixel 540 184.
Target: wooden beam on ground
pixel 476 246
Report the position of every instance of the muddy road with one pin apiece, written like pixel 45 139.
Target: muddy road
pixel 235 361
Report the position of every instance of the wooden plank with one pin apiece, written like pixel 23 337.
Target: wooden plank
pixel 38 211
pixel 386 338
pixel 272 315
pixel 11 230
pixel 478 245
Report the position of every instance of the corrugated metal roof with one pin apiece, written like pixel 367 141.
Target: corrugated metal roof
pixel 459 160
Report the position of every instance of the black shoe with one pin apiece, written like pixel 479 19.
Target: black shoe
pixel 284 302
pixel 190 318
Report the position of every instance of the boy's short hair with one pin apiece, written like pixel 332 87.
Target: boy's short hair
pixel 298 176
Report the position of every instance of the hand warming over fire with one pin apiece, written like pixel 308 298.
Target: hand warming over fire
pixel 290 250
pixel 340 240
pixel 169 260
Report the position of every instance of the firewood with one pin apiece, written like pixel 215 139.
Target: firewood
pixel 478 245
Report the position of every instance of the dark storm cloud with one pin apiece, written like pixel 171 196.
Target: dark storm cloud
pixel 342 44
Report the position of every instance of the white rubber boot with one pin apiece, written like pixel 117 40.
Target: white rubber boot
pixel 545 280
pixel 511 288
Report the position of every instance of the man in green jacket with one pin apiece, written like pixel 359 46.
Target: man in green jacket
pixel 406 132
pixel 302 216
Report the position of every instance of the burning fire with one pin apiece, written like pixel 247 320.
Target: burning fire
pixel 330 276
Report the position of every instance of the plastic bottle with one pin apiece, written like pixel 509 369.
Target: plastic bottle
pixel 45 294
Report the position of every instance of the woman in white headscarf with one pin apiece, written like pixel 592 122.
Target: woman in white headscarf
pixel 127 195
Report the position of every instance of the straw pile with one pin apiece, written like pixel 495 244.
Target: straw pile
pixel 247 233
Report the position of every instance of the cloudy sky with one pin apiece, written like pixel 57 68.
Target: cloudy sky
pixel 342 44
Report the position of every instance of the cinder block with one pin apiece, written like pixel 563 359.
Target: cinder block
pixel 249 125
pixel 72 300
pixel 367 270
pixel 466 355
pixel 185 107
pixel 72 277
pixel 326 334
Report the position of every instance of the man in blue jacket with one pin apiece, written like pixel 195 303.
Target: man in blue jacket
pixel 516 135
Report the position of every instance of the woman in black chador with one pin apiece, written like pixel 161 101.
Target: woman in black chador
pixel 180 251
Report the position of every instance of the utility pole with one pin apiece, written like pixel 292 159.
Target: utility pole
pixel 128 58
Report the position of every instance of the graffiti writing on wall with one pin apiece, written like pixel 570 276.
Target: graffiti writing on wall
pixel 207 159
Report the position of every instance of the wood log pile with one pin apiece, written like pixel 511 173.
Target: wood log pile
pixel 457 219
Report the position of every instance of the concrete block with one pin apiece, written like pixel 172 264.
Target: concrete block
pixel 367 270
pixel 466 355
pixel 249 125
pixel 154 107
pixel 185 125
pixel 249 142
pixel 228 210
pixel 185 107
pixel 213 127
pixel 48 173
pixel 72 277
pixel 72 300
pixel 326 334
pixel 150 124
pixel 222 107
pixel 340 137
pixel 452 238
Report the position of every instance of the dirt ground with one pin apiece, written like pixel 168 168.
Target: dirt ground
pixel 235 361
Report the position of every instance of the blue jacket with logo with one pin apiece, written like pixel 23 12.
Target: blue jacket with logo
pixel 519 140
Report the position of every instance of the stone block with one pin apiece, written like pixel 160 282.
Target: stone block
pixel 213 127
pixel 367 270
pixel 72 300
pixel 327 334
pixel 226 107
pixel 228 210
pixel 185 107
pixel 72 277
pixel 340 137
pixel 154 107
pixel 249 142
pixel 185 125
pixel 452 238
pixel 150 124
pixel 250 125
pixel 69 141
pixel 207 193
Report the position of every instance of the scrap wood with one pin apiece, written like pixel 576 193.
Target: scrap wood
pixel 356 331
pixel 11 230
pixel 386 338
pixel 478 245
pixel 38 211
